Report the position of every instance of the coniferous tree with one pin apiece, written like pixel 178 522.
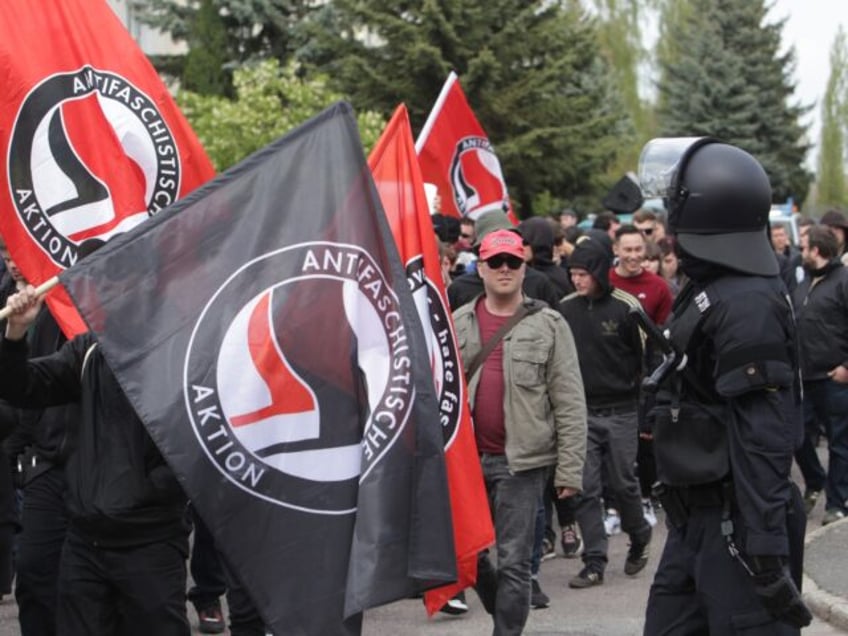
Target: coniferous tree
pixel 831 172
pixel 205 69
pixel 255 29
pixel 532 72
pixel 622 42
pixel 726 78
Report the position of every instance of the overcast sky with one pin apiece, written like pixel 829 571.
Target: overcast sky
pixel 811 28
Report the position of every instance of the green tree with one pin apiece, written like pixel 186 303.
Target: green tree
pixel 622 42
pixel 255 29
pixel 205 69
pixel 831 168
pixel 726 78
pixel 532 72
pixel 270 101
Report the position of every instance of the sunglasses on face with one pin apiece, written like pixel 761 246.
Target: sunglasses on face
pixel 647 230
pixel 497 261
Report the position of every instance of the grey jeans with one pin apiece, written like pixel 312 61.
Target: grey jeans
pixel 610 455
pixel 513 499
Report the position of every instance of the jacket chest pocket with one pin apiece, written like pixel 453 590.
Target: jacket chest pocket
pixel 528 362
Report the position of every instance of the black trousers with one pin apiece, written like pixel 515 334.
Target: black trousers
pixel 207 571
pixel 136 591
pixel 44 524
pixel 699 589
pixel 212 578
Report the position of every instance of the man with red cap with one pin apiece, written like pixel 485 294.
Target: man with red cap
pixel 529 409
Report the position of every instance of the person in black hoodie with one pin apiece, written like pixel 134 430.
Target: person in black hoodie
pixel 609 348
pixel 539 236
pixel 821 305
pixel 122 569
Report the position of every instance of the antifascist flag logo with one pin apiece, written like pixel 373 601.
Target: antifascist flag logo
pixel 477 179
pixel 444 357
pixel 288 429
pixel 61 186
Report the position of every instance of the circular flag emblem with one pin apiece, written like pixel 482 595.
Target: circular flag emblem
pixel 90 156
pixel 477 179
pixel 297 386
pixel 444 356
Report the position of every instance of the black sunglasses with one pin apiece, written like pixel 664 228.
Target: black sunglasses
pixel 497 261
pixel 647 230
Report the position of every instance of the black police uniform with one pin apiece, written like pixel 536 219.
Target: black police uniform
pixel 740 375
pixel 727 421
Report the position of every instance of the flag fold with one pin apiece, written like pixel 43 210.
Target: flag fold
pixel 272 348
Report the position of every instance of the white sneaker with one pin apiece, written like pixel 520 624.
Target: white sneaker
pixel 612 522
pixel 648 512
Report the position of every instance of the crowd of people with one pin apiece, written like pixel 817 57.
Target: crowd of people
pixel 599 275
pixel 544 313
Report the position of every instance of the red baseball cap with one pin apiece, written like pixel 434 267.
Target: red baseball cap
pixel 501 242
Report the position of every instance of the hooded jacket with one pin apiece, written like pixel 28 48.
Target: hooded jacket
pixel 539 235
pixel 609 343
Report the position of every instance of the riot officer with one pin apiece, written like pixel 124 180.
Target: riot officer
pixel 726 418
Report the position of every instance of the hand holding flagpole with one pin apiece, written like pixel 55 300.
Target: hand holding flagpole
pixel 39 292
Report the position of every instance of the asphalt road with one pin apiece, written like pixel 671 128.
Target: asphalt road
pixel 615 608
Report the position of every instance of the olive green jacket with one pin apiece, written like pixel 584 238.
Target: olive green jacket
pixel 544 403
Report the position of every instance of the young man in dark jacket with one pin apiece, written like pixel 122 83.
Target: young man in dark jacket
pixel 821 306
pixel 122 568
pixel 609 348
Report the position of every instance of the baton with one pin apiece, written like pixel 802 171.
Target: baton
pixel 673 360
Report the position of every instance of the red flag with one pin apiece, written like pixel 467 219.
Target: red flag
pixel 456 156
pixel 92 142
pixel 398 179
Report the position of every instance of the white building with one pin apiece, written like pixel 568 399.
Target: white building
pixel 151 41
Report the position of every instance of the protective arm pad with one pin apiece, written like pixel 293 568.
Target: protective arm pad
pixel 754 376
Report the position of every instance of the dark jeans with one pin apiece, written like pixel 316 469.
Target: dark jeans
pixel 212 578
pixel 135 591
pixel 700 589
pixel 610 452
pixel 513 501
pixel 39 548
pixel 826 402
pixel 207 572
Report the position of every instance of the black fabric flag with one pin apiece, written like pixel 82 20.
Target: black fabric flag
pixel 264 332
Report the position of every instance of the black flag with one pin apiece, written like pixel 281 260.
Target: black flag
pixel 263 330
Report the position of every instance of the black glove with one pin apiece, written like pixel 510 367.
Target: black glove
pixel 777 592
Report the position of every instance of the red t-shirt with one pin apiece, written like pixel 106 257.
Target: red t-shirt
pixel 651 290
pixel 488 401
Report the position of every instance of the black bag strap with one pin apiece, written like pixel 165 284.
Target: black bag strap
pixel 522 312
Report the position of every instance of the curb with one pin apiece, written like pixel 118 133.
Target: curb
pixel 826 606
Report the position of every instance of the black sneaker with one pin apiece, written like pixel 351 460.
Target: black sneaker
pixel 548 549
pixel 832 515
pixel 637 555
pixel 810 499
pixel 589 577
pixel 538 599
pixel 210 619
pixel 455 606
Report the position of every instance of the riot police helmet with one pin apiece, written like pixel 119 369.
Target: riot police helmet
pixel 718 199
